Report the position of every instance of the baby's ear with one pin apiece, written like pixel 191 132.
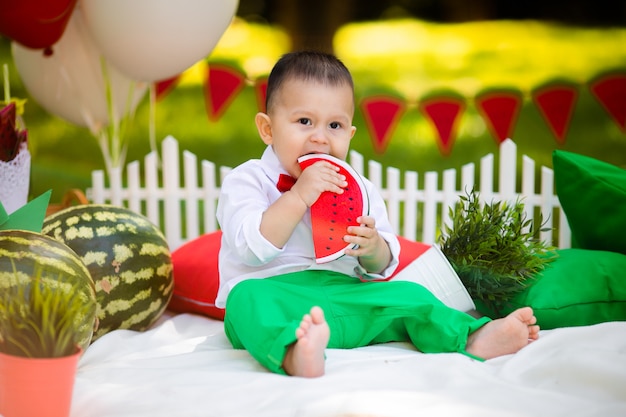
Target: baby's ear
pixel 264 126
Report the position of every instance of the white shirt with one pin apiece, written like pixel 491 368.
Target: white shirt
pixel 247 191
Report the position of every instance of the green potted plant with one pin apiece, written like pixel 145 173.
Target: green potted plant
pixel 47 318
pixel 38 318
pixel 495 250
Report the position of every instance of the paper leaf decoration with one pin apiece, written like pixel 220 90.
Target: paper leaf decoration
pixel 260 87
pixel 500 110
pixel 382 114
pixel 28 217
pixel 222 86
pixel 610 91
pixel 444 113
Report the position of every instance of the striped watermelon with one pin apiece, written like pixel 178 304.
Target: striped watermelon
pixel 128 258
pixel 28 252
pixel 332 214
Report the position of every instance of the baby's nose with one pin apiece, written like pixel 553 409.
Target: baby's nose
pixel 318 135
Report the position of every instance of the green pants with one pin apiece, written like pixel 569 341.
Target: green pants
pixel 262 315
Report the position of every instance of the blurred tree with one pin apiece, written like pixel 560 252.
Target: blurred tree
pixel 312 23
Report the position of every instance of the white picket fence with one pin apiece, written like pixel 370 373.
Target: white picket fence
pixel 185 210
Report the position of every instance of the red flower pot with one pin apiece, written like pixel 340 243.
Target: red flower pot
pixel 39 387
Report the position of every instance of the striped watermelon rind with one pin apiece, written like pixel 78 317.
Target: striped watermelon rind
pixel 128 258
pixel 24 253
pixel 329 228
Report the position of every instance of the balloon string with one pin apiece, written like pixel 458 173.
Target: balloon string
pixel 152 122
pixel 103 142
pixel 7 86
pixel 127 118
pixel 114 140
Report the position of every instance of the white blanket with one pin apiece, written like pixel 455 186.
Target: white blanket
pixel 186 367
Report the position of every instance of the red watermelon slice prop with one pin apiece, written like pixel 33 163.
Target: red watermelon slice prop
pixel 332 213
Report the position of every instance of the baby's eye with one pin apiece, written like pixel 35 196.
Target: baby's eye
pixel 335 125
pixel 304 121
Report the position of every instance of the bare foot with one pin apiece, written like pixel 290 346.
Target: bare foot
pixel 504 336
pixel 306 356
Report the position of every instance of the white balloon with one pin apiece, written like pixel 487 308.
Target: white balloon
pixel 70 83
pixel 152 40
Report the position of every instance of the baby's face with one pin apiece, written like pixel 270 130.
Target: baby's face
pixel 310 117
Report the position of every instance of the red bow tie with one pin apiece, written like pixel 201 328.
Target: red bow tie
pixel 285 182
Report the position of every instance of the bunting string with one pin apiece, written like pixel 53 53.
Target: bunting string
pixel 499 108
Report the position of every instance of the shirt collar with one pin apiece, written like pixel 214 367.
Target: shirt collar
pixel 271 164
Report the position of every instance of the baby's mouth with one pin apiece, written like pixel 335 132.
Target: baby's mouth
pixel 313 153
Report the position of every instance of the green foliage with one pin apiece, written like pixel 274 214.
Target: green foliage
pixel 38 317
pixel 494 248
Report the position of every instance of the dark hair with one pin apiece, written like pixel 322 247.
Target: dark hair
pixel 307 65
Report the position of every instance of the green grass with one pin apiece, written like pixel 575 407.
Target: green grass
pixel 406 57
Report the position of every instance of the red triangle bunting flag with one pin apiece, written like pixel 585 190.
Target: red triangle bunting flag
pixel 610 90
pixel 382 114
pixel 444 113
pixel 222 86
pixel 163 87
pixel 499 109
pixel 556 104
pixel 261 93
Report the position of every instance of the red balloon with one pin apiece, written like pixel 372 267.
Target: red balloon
pixel 35 24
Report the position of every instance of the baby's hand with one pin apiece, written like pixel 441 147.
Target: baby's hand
pixel 366 236
pixel 373 251
pixel 317 178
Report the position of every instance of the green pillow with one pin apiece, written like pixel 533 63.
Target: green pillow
pixel 580 287
pixel 593 196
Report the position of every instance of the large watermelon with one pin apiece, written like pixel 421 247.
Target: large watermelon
pixel 332 213
pixel 128 258
pixel 24 253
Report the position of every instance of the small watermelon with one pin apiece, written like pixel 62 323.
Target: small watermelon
pixel 332 213
pixel 24 253
pixel 128 258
